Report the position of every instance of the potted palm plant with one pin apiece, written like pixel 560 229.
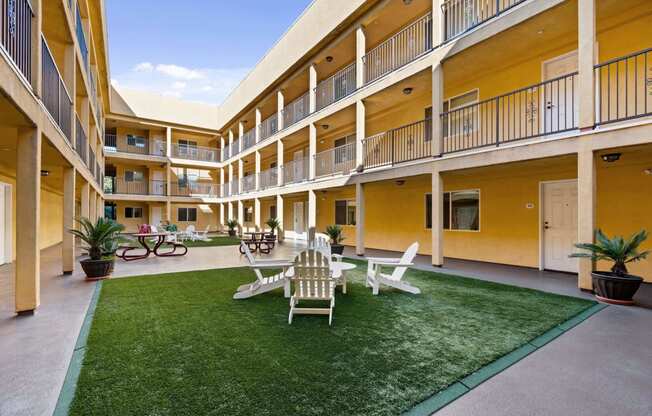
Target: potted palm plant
pixel 273 224
pixel 232 224
pixel 334 232
pixel 615 286
pixel 100 242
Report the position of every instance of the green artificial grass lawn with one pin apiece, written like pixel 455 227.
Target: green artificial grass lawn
pixel 214 242
pixel 178 344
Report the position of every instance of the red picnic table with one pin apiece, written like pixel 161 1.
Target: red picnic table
pixel 160 241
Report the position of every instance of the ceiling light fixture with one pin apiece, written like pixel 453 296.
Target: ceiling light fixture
pixel 407 2
pixel 325 126
pixel 329 58
pixel 45 173
pixel 408 90
pixel 400 182
pixel 611 157
pixel 648 171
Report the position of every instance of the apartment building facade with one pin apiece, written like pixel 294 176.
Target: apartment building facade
pixel 54 83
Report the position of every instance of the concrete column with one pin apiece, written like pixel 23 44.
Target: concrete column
pixel 359 219
pixel 312 85
pixel 437 108
pixel 222 221
pixel 240 134
pixel 280 105
pixel 230 211
pixel 279 216
pixel 259 120
pixel 312 151
pixel 438 23
pixel 241 215
pixel 168 179
pixel 257 169
pixel 85 200
pixel 231 190
pixel 312 215
pixel 257 218
pixel 168 142
pixel 222 152
pixel 360 51
pixel 586 207
pixel 437 218
pixel 37 48
pixel 92 206
pixel 28 214
pixel 68 242
pixel 240 174
pixel 586 61
pixel 168 211
pixel 84 119
pixel 231 138
pixel 99 206
pixel 280 149
pixel 359 132
pixel 222 183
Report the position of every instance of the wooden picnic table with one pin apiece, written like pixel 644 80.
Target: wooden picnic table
pixel 160 241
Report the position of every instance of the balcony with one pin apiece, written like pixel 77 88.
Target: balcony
pixel 194 189
pixel 402 144
pixel 234 187
pixel 296 111
pixel 268 127
pixel 225 192
pixel 113 185
pixel 81 142
pixel 296 171
pixel 268 178
pixel 234 148
pixel 81 39
pixel 339 160
pixel 91 159
pixel 198 153
pixel 401 49
pixel 55 96
pixel 336 87
pixel 16 33
pixel 461 16
pixel 248 183
pixel 248 139
pixel 153 148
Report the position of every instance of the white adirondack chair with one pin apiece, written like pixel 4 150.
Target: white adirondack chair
pixel 264 284
pixel 189 234
pixel 312 281
pixel 323 243
pixel 376 277
pixel 203 235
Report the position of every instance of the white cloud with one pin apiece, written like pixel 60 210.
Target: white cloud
pixel 144 67
pixel 179 72
pixel 178 85
pixel 207 88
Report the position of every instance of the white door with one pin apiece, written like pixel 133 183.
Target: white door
pixel 157 216
pixel 158 183
pixel 298 219
pixel 559 225
pixel 298 165
pixel 557 95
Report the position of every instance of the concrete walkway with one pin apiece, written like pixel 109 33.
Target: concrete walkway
pixel 602 367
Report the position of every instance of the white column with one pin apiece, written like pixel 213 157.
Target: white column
pixel 359 219
pixel 586 61
pixel 312 151
pixel 168 211
pixel 586 207
pixel 231 190
pixel 231 143
pixel 68 243
pixel 259 120
pixel 279 216
pixel 92 206
pixel 437 218
pixel 360 51
pixel 359 132
pixel 257 222
pixel 312 85
pixel 240 174
pixel 168 142
pixel 85 200
pixel 36 48
pixel 222 183
pixel 222 221
pixel 240 134
pixel 438 23
pixel 280 148
pixel 257 169
pixel 99 206
pixel 222 151
pixel 437 108
pixel 312 215
pixel 280 105
pixel 230 209
pixel 241 215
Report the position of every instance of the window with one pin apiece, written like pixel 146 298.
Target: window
pixel 134 176
pixel 110 211
pixel 462 121
pixel 187 214
pixel 133 212
pixel 461 210
pixel 344 153
pixel 136 141
pixel 345 212
pixel 272 211
pixel 249 214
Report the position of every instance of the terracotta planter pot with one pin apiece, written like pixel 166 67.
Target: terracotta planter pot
pixel 619 290
pixel 97 269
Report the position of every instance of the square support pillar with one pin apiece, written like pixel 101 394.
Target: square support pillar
pixel 240 175
pixel 438 23
pixel 68 240
pixel 28 214
pixel 222 193
pixel 99 206
pixel 36 51
pixel 92 206
pixel 312 215
pixel 168 142
pixel 230 143
pixel 259 120
pixel 168 211
pixel 360 51
pixel 257 169
pixel 280 105
pixel 168 179
pixel 221 219
pixel 222 149
pixel 437 108
pixel 312 151
pixel 240 134
pixel 312 88
pixel 437 215
pixel 85 200
pixel 359 219
pixel 241 216
pixel 359 132
pixel 586 207
pixel 230 211
pixel 257 218
pixel 586 61
pixel 279 216
pixel 231 190
pixel 280 149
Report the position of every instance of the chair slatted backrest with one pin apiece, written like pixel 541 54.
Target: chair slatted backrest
pixel 190 229
pixel 312 275
pixel 322 243
pixel 251 260
pixel 407 257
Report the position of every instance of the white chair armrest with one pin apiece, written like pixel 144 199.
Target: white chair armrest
pixel 337 257
pixel 392 264
pixel 382 260
pixel 271 265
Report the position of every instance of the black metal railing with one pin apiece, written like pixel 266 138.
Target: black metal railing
pixel 402 144
pixel 624 87
pixel 91 159
pixel 336 87
pixel 463 15
pixel 81 39
pixel 55 95
pixel 549 107
pixel 16 33
pixel 81 142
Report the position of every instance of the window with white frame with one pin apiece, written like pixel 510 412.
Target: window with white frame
pixel 134 176
pixel 461 210
pixel 133 212
pixel 186 214
pixel 345 212
pixel 249 214
pixel 136 141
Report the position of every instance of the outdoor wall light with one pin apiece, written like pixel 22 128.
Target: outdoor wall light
pixel 648 171
pixel 329 58
pixel 45 173
pixel 611 157
pixel 325 126
pixel 407 90
pixel 407 2
pixel 400 182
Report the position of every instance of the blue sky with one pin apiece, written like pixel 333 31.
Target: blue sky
pixel 194 49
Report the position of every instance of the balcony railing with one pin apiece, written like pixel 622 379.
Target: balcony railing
pixel 249 139
pixel 234 187
pixel 248 183
pixel 624 88
pixel 99 175
pixel 268 178
pixel 401 49
pixel 113 185
pixel 402 144
pixel 463 15
pixel 199 153
pixel 154 148
pixel 296 171
pixel 16 33
pixel 91 159
pixel 81 142
pixel 194 189
pixel 55 95
pixel 296 111
pixel 336 87
pixel 234 148
pixel 549 107
pixel 81 39
pixel 268 127
pixel 338 160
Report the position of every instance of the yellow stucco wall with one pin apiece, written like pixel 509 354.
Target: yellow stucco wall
pixel 207 215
